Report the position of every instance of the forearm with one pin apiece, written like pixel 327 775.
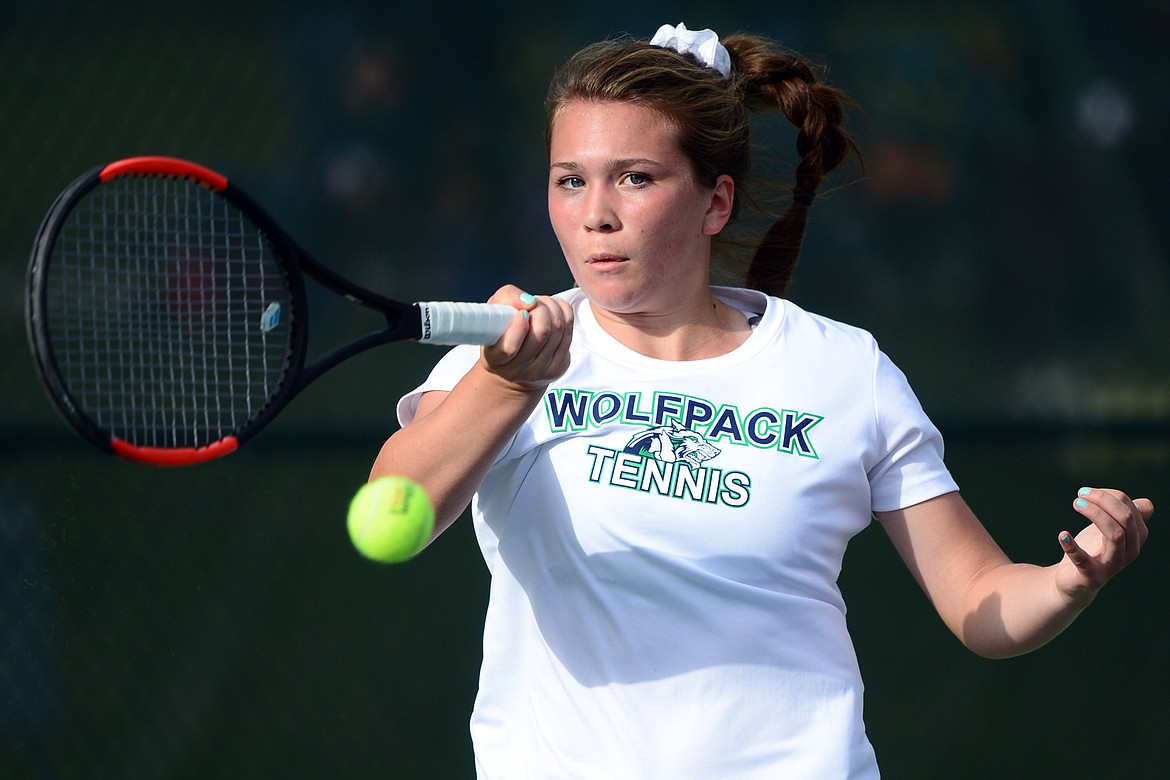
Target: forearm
pixel 1015 608
pixel 999 608
pixel 450 449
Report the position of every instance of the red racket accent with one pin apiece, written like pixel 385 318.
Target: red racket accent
pixel 164 166
pixel 182 456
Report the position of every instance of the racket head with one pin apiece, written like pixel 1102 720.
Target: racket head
pixel 166 311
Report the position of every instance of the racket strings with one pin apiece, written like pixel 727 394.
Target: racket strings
pixel 163 301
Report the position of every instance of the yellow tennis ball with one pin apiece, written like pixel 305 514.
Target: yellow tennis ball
pixel 390 519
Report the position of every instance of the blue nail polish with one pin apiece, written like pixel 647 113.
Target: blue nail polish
pixel 525 313
pixel 1066 539
pixel 527 299
pixel 1081 503
pixel 1084 491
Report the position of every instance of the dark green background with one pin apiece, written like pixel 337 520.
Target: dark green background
pixel 1006 243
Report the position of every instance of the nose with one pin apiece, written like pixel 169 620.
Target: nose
pixel 600 214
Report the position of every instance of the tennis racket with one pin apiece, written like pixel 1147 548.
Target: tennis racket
pixel 168 315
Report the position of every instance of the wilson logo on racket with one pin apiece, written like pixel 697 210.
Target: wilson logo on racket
pixel 426 322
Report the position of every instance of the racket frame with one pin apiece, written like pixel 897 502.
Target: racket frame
pixel 403 321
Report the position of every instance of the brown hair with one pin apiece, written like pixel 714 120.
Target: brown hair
pixel 712 116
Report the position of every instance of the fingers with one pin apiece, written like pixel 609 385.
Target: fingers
pixel 545 347
pixel 510 295
pixel 535 348
pixel 1074 552
pixel 1120 526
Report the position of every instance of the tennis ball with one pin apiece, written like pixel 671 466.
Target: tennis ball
pixel 390 519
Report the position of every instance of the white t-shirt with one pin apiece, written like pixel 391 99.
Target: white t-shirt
pixel 664 540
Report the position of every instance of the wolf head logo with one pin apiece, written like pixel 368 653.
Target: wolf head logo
pixel 672 444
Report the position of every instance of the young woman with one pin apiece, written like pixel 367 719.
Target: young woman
pixel 664 475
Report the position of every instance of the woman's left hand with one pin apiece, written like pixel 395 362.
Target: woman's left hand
pixel 1111 541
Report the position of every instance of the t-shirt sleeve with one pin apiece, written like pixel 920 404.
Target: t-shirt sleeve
pixel 444 376
pixel 910 467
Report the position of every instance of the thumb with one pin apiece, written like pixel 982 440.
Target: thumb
pixel 1145 506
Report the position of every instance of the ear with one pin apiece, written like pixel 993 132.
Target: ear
pixel 719 211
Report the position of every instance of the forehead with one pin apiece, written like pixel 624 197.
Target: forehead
pixel 613 126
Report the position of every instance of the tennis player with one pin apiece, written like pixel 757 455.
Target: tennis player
pixel 664 474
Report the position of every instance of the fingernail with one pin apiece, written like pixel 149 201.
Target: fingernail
pixel 527 299
pixel 525 313
pixel 1084 491
pixel 1066 539
pixel 1081 503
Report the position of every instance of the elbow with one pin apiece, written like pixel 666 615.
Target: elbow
pixel 987 632
pixel 984 632
pixel 995 649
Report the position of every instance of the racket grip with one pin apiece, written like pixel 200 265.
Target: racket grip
pixel 446 322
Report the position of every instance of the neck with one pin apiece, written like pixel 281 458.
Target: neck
pixel 705 328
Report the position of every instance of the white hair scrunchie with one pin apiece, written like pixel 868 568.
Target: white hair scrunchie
pixel 703 44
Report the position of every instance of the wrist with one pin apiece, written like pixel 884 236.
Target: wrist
pixel 1073 598
pixel 497 382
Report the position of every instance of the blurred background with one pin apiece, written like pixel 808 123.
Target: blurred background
pixel 1006 242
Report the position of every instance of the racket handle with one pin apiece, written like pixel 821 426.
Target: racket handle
pixel 445 322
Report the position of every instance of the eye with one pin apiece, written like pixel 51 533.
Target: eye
pixel 571 182
pixel 635 179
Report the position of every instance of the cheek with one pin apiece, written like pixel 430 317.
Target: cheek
pixel 670 233
pixel 559 219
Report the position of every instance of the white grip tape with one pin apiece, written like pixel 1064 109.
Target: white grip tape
pixel 445 322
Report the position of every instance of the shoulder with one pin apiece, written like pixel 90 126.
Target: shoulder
pixel 822 340
pixel 807 324
pixel 443 377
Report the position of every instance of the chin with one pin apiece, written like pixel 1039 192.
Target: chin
pixel 608 296
pixel 619 304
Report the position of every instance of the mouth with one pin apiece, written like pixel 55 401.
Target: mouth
pixel 602 262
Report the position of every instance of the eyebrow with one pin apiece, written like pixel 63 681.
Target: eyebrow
pixel 622 164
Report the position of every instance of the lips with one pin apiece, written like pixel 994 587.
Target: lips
pixel 605 261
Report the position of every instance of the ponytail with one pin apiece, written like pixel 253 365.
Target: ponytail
pixel 771 78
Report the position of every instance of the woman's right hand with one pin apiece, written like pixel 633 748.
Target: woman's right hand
pixel 534 350
pixel 456 435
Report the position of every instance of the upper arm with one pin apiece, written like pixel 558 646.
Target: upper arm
pixel 946 549
pixel 428 402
